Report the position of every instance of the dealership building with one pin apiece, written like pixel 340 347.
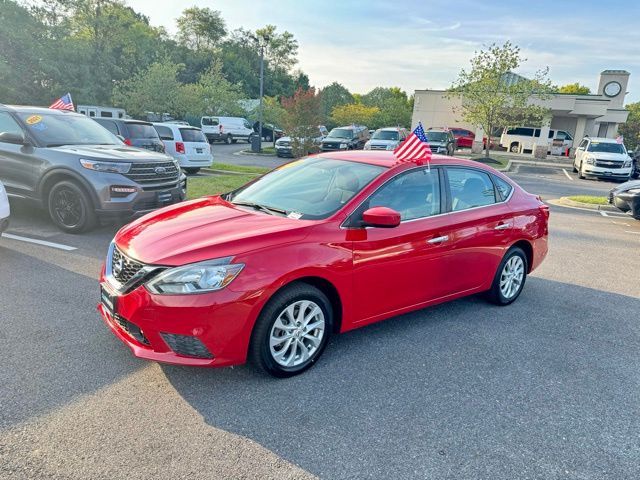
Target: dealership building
pixel 597 114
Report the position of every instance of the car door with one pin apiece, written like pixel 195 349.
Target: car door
pixel 582 148
pixel 480 227
pixel 399 267
pixel 17 162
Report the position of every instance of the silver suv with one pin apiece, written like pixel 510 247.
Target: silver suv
pixel 79 171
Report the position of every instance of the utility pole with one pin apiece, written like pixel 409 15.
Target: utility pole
pixel 261 119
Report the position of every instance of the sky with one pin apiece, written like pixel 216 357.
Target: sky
pixel 416 44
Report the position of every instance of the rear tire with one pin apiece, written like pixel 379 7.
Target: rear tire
pixel 514 147
pixel 70 208
pixel 282 344
pixel 509 280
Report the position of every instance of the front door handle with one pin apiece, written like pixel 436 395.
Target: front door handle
pixel 437 240
pixel 503 226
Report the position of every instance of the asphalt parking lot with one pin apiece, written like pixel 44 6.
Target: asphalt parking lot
pixel 548 387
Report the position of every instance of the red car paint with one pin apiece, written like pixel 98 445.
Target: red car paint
pixel 373 272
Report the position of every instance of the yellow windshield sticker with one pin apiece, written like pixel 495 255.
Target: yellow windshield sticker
pixel 289 165
pixel 34 119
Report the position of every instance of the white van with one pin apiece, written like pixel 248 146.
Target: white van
pixel 186 144
pixel 94 111
pixel 226 129
pixel 519 139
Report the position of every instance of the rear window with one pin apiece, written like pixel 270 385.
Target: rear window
pixel 141 130
pixel 192 135
pixel 165 132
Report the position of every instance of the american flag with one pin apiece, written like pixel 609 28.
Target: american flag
pixel 63 103
pixel 415 148
pixel 619 139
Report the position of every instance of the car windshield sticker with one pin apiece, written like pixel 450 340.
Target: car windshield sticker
pixel 295 215
pixel 33 120
pixel 39 127
pixel 288 165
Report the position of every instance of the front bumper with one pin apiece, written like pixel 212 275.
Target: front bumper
pixel 593 171
pixel 207 330
pixel 141 202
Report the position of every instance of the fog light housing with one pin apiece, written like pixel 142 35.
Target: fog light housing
pixel 118 191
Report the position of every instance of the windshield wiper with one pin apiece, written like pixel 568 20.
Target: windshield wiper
pixel 262 208
pixel 50 145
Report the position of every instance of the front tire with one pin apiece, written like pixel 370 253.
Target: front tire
pixel 292 331
pixel 70 208
pixel 580 174
pixel 228 139
pixel 515 147
pixel 510 278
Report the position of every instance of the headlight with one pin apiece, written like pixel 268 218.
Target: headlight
pixel 590 161
pixel 626 164
pixel 200 277
pixel 109 167
pixel 392 146
pixel 343 145
pixel 367 146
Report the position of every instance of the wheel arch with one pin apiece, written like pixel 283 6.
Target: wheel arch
pixel 527 248
pixel 55 176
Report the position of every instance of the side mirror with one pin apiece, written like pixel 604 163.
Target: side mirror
pixel 14 138
pixel 381 217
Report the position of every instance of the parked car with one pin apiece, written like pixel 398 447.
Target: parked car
pixel 269 131
pixel 5 209
pixel 226 129
pixel 626 197
pixel 323 245
pixel 352 137
pixel 602 157
pixel 135 133
pixel 635 164
pixel 441 140
pixel 283 144
pixel 186 144
pixel 79 171
pixel 386 138
pixel 464 138
pixel 516 139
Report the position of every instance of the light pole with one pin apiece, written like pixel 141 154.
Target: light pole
pixel 262 42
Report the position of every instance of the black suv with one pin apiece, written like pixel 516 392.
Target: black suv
pixel 352 137
pixel 79 171
pixel 134 132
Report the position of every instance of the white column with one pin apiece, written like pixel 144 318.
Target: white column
pixel 581 124
pixel 541 143
pixel 476 146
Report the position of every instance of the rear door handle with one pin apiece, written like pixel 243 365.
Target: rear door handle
pixel 503 226
pixel 437 240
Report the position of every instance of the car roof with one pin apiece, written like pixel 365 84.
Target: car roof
pixel 388 160
pixel 351 127
pixel 394 129
pixel 601 139
pixel 175 125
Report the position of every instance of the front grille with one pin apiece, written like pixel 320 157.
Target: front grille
pixel 130 329
pixel 186 345
pixel 331 146
pixel 154 175
pixel 123 268
pixel 283 144
pixel 608 163
pixel 378 147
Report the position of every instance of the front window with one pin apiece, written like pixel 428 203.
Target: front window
pixel 385 135
pixel 56 129
pixel 341 133
pixel 437 137
pixel 311 188
pixel 606 147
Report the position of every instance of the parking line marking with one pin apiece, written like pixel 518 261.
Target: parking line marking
pixel 59 246
pixel 567 174
pixel 603 213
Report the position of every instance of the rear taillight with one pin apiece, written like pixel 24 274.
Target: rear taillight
pixel 127 141
pixel 180 147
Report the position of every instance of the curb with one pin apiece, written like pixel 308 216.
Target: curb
pixel 566 202
pixel 253 154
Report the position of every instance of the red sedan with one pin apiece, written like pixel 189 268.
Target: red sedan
pixel 318 246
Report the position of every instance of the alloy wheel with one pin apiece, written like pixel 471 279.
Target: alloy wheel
pixel 297 333
pixel 68 207
pixel 511 277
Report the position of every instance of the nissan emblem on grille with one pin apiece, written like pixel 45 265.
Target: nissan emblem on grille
pixel 122 267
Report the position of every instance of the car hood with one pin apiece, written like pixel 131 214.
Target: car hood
pixel 618 157
pixel 623 187
pixel 205 229
pixel 112 152
pixel 383 142
pixel 336 140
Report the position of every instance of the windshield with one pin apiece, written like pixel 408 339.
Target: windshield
pixel 606 147
pixel 436 136
pixel 53 129
pixel 141 130
pixel 385 135
pixel 311 188
pixel 341 133
pixel 192 135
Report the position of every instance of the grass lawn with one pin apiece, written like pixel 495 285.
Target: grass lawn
pixel 222 183
pixel 265 151
pixel 497 162
pixel 590 199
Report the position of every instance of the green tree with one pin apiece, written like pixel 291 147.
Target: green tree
pixel 489 96
pixel 574 88
pixel 395 107
pixel 303 115
pixel 213 94
pixel 631 129
pixel 333 96
pixel 200 28
pixel 354 113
